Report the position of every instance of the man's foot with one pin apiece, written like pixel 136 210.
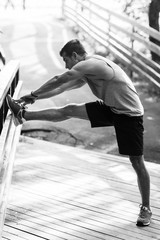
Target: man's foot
pixel 17 110
pixel 144 217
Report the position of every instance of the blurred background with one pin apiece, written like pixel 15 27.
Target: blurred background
pixel 34 31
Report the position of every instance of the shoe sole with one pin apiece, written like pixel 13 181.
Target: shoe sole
pixel 140 224
pixel 15 120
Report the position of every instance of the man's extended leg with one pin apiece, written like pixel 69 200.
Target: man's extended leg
pixel 144 187
pixel 53 114
pixel 58 114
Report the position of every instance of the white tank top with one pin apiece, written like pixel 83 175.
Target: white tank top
pixel 119 92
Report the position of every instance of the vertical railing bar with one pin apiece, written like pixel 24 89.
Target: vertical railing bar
pixel 132 48
pixel 4 107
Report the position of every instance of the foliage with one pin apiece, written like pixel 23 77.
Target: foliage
pixel 138 9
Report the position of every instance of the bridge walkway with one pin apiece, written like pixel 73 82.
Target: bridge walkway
pixel 60 192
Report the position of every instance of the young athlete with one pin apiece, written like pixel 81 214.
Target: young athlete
pixel 118 105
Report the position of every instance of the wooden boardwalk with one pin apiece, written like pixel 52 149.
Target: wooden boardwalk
pixel 59 192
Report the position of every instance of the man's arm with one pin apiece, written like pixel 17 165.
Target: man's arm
pixel 56 85
pixel 62 88
pixel 59 83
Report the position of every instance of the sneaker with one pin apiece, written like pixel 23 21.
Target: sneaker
pixel 16 109
pixel 144 217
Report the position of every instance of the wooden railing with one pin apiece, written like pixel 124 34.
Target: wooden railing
pixel 122 36
pixel 9 134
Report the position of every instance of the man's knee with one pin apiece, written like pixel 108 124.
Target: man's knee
pixel 69 109
pixel 76 111
pixel 137 161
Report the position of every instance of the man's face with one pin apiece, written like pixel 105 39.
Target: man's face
pixel 69 61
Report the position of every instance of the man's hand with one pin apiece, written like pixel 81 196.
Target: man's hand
pixel 28 99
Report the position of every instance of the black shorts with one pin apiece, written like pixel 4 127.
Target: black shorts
pixel 129 130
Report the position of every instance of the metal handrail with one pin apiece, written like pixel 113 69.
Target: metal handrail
pixel 9 77
pixel 122 36
pixel 9 135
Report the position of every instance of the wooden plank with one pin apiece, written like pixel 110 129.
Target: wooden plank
pixel 89 223
pixel 69 215
pixel 66 193
pixel 111 176
pixel 71 183
pixel 93 200
pixel 72 214
pixel 112 164
pixel 14 234
pixel 115 171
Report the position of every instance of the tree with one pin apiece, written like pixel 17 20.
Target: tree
pixel 136 9
pixel 153 15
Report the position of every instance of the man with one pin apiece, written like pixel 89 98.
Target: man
pixel 119 106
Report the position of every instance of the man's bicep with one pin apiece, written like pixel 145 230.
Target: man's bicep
pixel 73 85
pixel 71 75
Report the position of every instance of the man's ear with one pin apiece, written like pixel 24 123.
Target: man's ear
pixel 75 55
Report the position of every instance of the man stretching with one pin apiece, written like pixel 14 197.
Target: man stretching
pixel 118 105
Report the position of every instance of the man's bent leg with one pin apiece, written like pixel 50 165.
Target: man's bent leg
pixel 58 114
pixel 144 187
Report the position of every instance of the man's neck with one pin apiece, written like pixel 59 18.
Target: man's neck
pixel 82 58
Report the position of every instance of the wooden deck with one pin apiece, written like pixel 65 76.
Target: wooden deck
pixel 59 192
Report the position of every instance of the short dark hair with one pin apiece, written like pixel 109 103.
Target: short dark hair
pixel 73 46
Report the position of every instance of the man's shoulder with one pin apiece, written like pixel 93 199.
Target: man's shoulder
pixel 92 63
pixel 95 57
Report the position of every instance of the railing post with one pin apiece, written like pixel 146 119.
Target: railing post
pixel 108 30
pixel 90 14
pixel 1 119
pixel 63 11
pixel 132 48
pixel 76 13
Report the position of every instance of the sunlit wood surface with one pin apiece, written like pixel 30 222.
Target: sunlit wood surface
pixel 60 192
